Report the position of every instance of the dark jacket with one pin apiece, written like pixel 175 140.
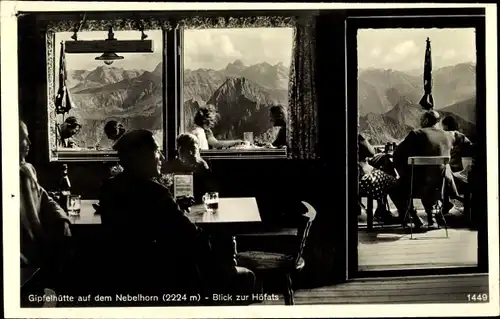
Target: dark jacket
pixel 148 234
pixel 429 141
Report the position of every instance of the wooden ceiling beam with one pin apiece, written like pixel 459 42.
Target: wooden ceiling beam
pixel 100 46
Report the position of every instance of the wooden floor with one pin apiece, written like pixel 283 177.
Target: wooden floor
pixel 386 249
pixel 429 289
pixel 390 247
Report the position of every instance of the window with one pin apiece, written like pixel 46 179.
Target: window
pixel 240 73
pixel 109 98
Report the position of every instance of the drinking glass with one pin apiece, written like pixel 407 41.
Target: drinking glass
pixel 389 148
pixel 211 201
pixel 73 205
pixel 248 137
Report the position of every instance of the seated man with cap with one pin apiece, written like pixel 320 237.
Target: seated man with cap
pixel 65 132
pixel 155 246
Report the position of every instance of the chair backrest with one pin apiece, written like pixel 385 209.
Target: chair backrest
pixel 428 160
pixel 303 231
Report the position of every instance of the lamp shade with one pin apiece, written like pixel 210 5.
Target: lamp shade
pixel 109 57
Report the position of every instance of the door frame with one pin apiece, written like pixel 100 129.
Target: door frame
pixel 426 18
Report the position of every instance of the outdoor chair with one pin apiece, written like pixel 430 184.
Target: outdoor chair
pixel 427 161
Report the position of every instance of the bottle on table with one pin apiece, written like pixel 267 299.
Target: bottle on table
pixel 64 187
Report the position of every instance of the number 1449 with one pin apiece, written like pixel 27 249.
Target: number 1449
pixel 477 297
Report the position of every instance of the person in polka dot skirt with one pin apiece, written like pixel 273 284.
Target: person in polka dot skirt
pixel 374 182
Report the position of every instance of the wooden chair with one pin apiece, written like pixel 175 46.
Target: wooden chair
pixel 286 264
pixel 427 161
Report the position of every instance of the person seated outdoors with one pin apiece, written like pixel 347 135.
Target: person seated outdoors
pixel 153 246
pixel 189 160
pixel 462 143
pixel 204 120
pixel 45 228
pixel 112 132
pixel 429 140
pixel 374 182
pixel 461 146
pixel 66 131
pixel 278 119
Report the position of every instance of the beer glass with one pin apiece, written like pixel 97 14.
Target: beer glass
pixel 248 137
pixel 73 205
pixel 211 202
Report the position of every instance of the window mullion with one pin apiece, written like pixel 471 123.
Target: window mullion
pixel 171 98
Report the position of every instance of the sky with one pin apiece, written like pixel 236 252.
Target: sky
pixel 203 48
pixel 404 49
pixel 216 48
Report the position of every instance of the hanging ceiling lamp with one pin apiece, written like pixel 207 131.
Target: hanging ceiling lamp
pixel 109 47
pixel 109 57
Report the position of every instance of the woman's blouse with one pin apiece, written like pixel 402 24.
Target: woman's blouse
pixel 201 134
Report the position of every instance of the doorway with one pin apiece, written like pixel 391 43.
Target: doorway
pixel 385 63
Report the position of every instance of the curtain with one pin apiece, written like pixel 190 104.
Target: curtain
pixel 172 22
pixel 198 22
pixel 63 100
pixel 302 130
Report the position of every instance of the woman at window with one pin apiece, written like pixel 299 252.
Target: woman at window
pixel 278 118
pixel 204 120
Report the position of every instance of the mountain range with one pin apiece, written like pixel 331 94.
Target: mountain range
pixel 240 93
pixel 387 99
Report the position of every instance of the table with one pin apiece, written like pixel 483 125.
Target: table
pixel 235 215
pixel 87 214
pixel 235 210
pixel 231 210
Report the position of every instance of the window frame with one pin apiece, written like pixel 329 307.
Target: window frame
pixel 172 79
pixel 406 21
pixel 83 155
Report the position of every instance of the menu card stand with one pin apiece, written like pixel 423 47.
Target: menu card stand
pixel 183 185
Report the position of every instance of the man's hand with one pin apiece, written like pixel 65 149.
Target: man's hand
pixel 185 202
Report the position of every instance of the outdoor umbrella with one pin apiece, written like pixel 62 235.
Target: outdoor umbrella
pixel 427 101
pixel 63 101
